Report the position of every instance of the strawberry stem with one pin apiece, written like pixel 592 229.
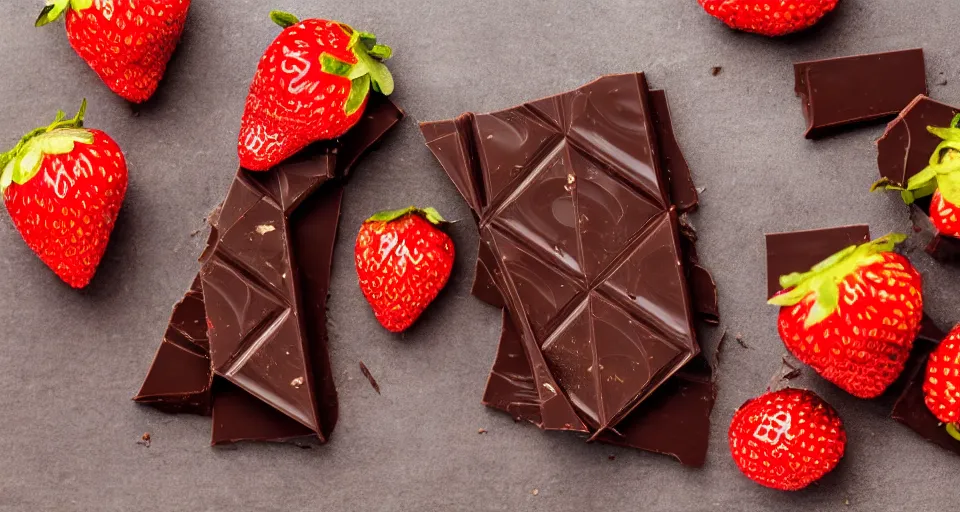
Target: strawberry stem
pixel 824 279
pixel 430 214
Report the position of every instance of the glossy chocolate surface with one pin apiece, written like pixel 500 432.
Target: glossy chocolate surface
pixel 799 251
pixel 579 240
pixel 266 311
pixel 904 150
pixel 857 89
pixel 180 378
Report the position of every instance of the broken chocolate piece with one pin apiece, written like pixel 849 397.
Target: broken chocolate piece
pixel 903 151
pixel 911 409
pixel 301 200
pixel 858 89
pixel 906 145
pixel 579 238
pixel 180 377
pixel 799 251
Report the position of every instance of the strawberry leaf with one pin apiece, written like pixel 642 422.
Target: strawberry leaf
pixel 952 430
pixel 431 214
pixel 824 279
pixel 359 89
pixel 335 66
pixel 284 19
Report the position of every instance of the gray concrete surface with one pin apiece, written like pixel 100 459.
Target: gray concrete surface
pixel 70 361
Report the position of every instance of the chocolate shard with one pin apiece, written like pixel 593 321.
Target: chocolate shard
pixel 258 291
pixel 799 251
pixel 906 146
pixel 859 89
pixel 910 408
pixel 579 240
pixel 180 378
pixel 904 150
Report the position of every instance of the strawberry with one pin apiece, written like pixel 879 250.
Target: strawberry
pixel 312 83
pixel 403 261
pixel 941 178
pixel 128 43
pixel 854 316
pixel 63 186
pixel 769 17
pixel 941 388
pixel 787 439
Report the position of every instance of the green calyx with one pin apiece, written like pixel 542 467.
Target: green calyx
pixel 943 171
pixel 431 214
pixel 952 430
pixel 368 73
pixel 22 163
pixel 824 279
pixel 55 8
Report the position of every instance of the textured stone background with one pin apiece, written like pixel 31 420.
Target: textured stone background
pixel 70 361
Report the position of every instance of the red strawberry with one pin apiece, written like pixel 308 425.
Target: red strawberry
pixel 403 261
pixel 128 43
pixel 787 439
pixel 312 84
pixel 941 388
pixel 63 186
pixel 854 316
pixel 769 17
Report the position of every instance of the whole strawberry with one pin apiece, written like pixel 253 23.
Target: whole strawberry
pixel 128 43
pixel 769 17
pixel 787 439
pixel 312 83
pixel 63 186
pixel 854 316
pixel 403 261
pixel 941 388
pixel 941 178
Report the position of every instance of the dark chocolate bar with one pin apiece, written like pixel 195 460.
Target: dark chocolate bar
pixel 910 408
pixel 579 239
pixel 858 89
pixel 904 150
pixel 799 251
pixel 267 225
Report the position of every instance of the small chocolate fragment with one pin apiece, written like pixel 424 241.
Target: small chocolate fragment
pixel 858 89
pixel 799 251
pixel 911 409
pixel 180 377
pixel 366 373
pixel 903 151
pixel 580 241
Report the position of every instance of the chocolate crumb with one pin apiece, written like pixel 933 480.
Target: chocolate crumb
pixel 740 341
pixel 612 457
pixel 369 376
pixel 716 70
pixel 144 440
pixel 481 431
pixel 535 492
pixel 943 82
pixel 787 372
pixel 194 233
